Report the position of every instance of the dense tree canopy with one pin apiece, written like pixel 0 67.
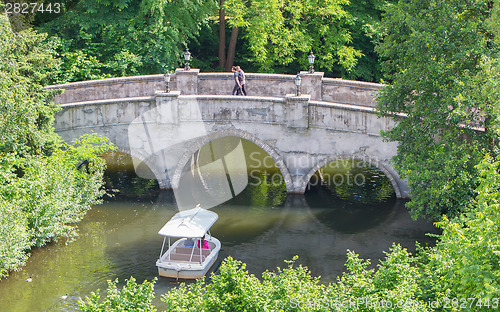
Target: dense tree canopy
pixel 121 38
pixel 366 32
pixel 27 114
pixel 98 39
pixel 440 60
pixel 279 32
pixel 465 263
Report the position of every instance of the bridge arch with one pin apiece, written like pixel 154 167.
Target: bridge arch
pixel 365 158
pixel 200 142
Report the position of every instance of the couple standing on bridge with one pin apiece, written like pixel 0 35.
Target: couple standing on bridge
pixel 239 79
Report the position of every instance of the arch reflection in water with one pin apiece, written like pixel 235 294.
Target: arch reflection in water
pixel 353 180
pixel 349 216
pixel 216 173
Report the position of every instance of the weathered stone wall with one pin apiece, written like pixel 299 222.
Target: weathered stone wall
pixel 111 88
pixel 193 82
pixel 349 92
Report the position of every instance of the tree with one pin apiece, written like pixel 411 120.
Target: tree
pixel 54 192
pixel 26 64
pixel 280 32
pixel 465 261
pixel 366 31
pixel 45 188
pixel 226 62
pixel 437 57
pixel 126 37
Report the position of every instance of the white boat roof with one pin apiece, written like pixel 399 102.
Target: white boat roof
pixel 192 223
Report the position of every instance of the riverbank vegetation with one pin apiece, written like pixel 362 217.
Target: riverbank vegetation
pixel 438 58
pixel 46 185
pixel 442 61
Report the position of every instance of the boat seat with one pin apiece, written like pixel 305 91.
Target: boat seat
pixel 185 258
pixel 188 250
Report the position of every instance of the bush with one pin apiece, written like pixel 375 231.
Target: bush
pixel 14 238
pixel 294 289
pixel 132 297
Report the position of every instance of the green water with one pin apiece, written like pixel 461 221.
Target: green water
pixel 261 227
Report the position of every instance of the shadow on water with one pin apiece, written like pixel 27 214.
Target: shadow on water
pixel 350 217
pixel 351 196
pixel 122 182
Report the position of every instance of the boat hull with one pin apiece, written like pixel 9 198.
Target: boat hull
pixel 184 271
pixel 171 268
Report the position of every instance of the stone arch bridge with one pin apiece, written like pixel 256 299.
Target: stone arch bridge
pixel 332 119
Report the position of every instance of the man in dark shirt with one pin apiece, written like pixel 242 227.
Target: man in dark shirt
pixel 237 86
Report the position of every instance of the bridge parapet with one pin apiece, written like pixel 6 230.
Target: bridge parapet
pixel 193 82
pixel 291 111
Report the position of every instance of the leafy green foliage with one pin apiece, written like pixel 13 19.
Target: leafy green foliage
pixel 26 113
pixel 294 289
pixel 78 66
pixel 493 22
pixel 120 38
pixel 234 289
pixel 393 286
pixel 14 237
pixel 42 197
pixel 366 32
pixel 280 32
pixel 55 192
pixel 465 262
pixel 435 53
pixel 44 187
pixel 132 297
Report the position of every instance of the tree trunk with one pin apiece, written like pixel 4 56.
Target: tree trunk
pixel 222 35
pixel 231 49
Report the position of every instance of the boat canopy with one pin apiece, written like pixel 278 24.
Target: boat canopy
pixel 192 223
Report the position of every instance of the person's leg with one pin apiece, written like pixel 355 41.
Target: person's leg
pixel 243 89
pixel 236 89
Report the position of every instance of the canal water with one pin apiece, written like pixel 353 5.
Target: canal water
pixel 262 226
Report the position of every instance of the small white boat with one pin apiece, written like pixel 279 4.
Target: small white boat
pixel 184 259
